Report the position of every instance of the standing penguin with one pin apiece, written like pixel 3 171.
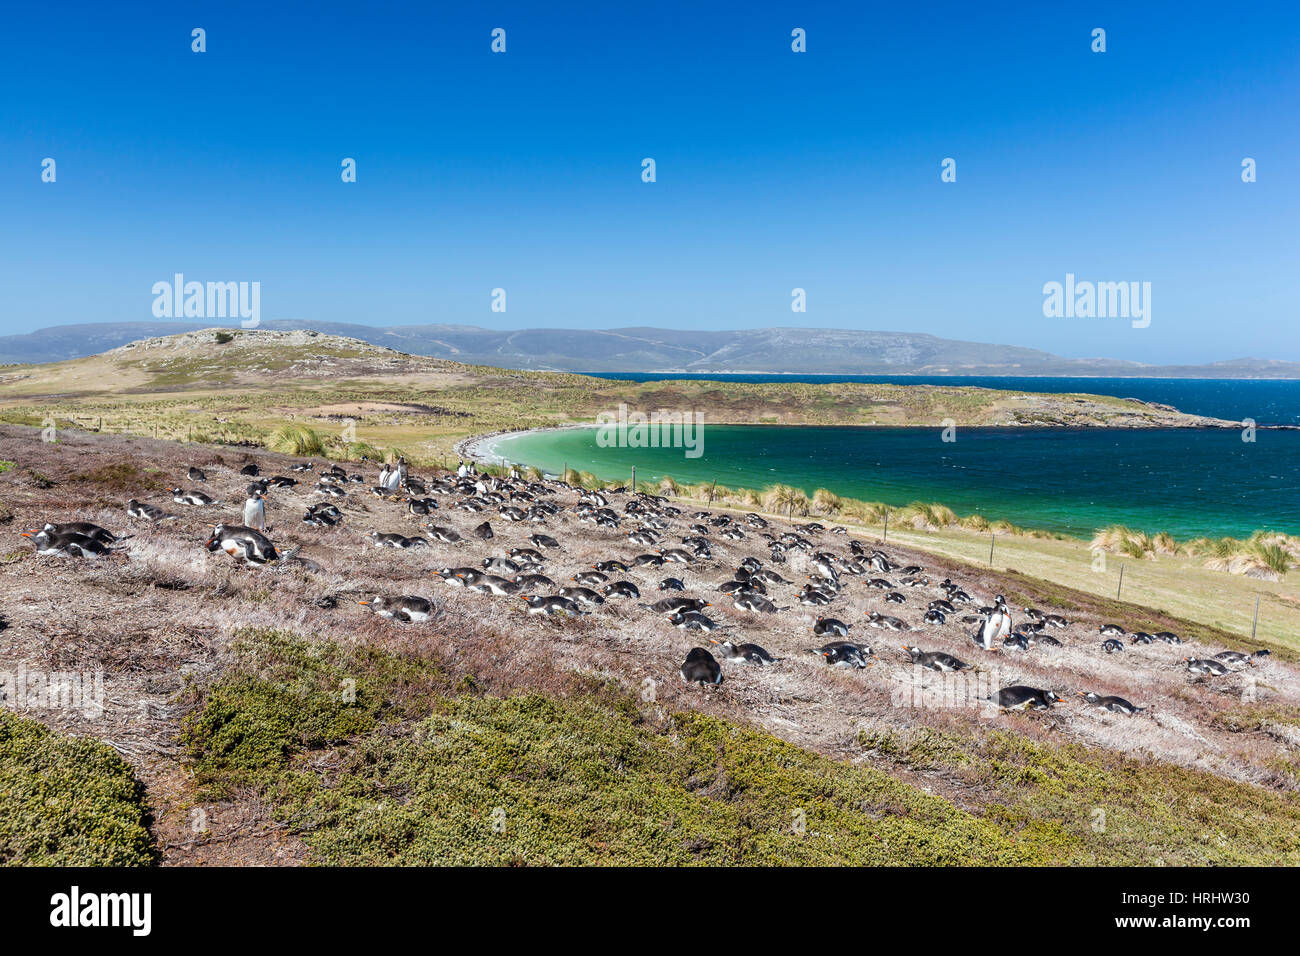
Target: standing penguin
pixel 255 510
pixel 390 479
pixel 996 627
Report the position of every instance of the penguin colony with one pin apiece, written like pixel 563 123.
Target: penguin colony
pixel 658 562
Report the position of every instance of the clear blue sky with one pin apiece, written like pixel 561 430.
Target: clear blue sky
pixel 775 169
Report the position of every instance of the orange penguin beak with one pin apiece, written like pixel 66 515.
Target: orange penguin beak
pixel 27 534
pixel 367 603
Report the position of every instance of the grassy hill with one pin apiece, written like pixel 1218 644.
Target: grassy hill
pixel 235 385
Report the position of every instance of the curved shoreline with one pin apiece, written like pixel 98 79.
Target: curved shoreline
pixel 478 447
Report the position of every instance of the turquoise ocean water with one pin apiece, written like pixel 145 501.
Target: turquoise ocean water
pixel 1188 482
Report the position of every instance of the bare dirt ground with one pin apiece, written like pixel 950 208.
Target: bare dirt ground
pixel 164 611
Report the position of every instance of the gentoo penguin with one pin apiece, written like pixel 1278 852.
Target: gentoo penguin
pixel 995 628
pixel 1111 630
pixel 196 498
pixel 844 654
pixel 549 605
pixel 255 511
pixel 583 595
pixel 1112 645
pixel 754 602
pixel 543 541
pixel 196 474
pixel 934 616
pixel 1206 666
pixel 102 535
pixel 677 555
pixel 458 577
pixel 1117 705
pixel 407 608
pixel 250 469
pixel 692 621
pixel 146 512
pixel 744 653
pixel 672 584
pixel 1168 637
pixel 624 589
pixel 483 532
pixel 885 622
pixel 1142 637
pixel 1237 658
pixel 380 540
pixel 830 627
pixel 445 535
pixel 493 584
pixel 390 479
pixel 812 597
pixel 935 660
pixel 591 579
pixel 533 581
pixel 1020 697
pixel 70 545
pixel 241 542
pixel 670 605
pixel 700 667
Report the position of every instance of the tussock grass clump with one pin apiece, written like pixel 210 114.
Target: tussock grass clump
pixel 785 499
pixel 827 502
pixel 925 516
pixel 67 801
pixel 1265 555
pixel 975 522
pixel 868 512
pixel 296 440
pixel 1121 539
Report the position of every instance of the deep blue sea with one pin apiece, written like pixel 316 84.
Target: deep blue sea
pixel 1189 482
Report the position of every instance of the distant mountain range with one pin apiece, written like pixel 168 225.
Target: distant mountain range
pixel 771 350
